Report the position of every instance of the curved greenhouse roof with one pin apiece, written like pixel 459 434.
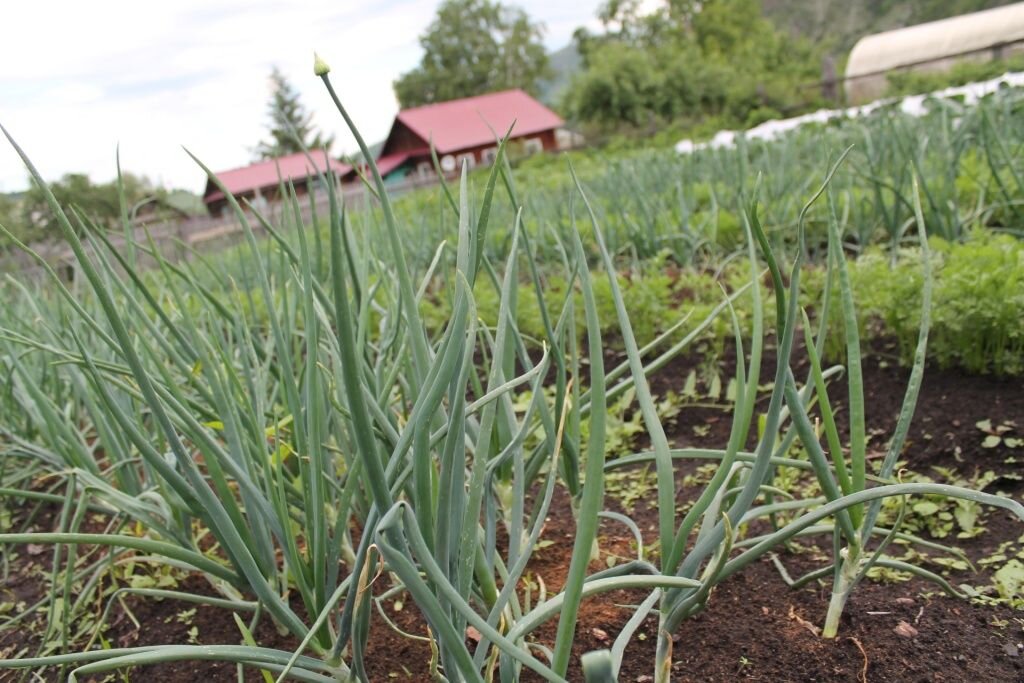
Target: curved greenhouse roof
pixel 933 46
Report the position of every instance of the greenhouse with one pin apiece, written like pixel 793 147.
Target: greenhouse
pixel 934 46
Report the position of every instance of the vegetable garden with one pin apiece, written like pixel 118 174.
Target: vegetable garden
pixel 754 412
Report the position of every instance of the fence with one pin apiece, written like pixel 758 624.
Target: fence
pixel 177 240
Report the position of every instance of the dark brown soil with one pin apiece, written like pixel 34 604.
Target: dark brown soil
pixel 754 628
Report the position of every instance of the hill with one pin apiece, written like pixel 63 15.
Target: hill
pixel 563 64
pixel 837 24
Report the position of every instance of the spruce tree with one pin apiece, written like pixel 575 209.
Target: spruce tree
pixel 288 120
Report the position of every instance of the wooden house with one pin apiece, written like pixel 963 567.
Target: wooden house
pixel 465 131
pixel 260 182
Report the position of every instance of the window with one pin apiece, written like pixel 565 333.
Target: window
pixel 468 158
pixel 567 139
pixel 259 202
pixel 488 155
pixel 425 169
pixel 533 145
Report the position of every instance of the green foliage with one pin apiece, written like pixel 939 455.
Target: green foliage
pixel 688 61
pixel 936 516
pixel 29 218
pixel 474 47
pixel 291 127
pixel 10 218
pixel 1007 584
pixel 97 201
pixel 963 72
pixel 838 24
pixel 978 309
pixel 657 296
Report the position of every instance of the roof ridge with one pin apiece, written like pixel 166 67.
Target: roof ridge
pixel 457 100
pixel 262 162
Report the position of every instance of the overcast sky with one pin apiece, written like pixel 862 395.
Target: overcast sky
pixel 77 78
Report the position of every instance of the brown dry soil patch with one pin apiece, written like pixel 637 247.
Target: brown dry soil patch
pixel 754 628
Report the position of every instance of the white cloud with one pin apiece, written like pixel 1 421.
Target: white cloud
pixel 79 78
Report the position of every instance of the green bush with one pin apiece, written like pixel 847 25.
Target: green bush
pixel 963 72
pixel 977 310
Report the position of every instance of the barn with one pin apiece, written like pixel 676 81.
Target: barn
pixel 934 46
pixel 260 182
pixel 465 131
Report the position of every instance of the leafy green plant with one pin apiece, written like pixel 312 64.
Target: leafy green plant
pixel 977 314
pixel 1000 434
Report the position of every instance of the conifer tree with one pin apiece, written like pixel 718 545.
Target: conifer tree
pixel 288 120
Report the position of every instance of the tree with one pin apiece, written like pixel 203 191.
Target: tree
pixel 97 202
pixel 688 62
pixel 473 47
pixel 10 218
pixel 289 120
pixel 29 218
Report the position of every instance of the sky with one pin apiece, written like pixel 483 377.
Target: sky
pixel 80 80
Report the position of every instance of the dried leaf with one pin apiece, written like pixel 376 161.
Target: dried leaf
pixel 905 630
pixel 803 622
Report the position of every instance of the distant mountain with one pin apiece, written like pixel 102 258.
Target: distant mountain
pixel 838 24
pixel 563 63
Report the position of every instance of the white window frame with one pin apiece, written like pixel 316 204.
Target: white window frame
pixel 488 155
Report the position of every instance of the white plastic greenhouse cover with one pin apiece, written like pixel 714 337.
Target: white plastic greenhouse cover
pixel 912 105
pixel 932 43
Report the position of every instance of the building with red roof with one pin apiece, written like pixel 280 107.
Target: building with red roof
pixel 463 130
pixel 466 130
pixel 261 181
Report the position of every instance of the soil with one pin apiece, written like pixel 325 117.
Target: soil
pixel 754 628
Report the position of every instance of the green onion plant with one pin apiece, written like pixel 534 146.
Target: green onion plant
pixel 290 427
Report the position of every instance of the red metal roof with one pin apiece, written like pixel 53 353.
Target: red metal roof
pixel 264 174
pixel 390 162
pixel 460 124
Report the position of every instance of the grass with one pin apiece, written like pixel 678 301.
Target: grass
pixel 244 420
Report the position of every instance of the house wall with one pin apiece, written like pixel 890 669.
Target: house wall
pixel 401 139
pixel 422 166
pixel 220 207
pixel 547 140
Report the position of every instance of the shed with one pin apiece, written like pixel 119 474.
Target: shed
pixel 261 180
pixel 934 46
pixel 464 131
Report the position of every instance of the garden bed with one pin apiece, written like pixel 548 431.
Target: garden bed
pixel 893 629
